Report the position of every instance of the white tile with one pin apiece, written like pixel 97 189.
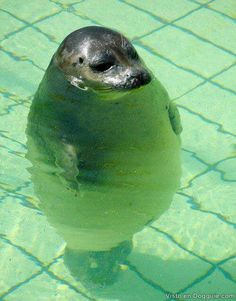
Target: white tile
pixel 213 103
pixel 15 267
pixel 188 52
pixel 162 261
pixel 212 27
pixel 198 231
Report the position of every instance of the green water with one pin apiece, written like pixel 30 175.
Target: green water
pixel 190 248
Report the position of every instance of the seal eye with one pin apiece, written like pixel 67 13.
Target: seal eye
pixel 102 67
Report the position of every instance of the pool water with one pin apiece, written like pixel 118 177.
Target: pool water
pixel 189 252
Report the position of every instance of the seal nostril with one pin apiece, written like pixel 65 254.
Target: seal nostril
pixel 81 60
pixel 136 74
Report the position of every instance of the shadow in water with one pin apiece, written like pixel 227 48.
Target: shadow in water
pixel 97 268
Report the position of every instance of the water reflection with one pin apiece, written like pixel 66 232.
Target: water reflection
pixel 101 169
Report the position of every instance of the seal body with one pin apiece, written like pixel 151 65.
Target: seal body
pixel 105 154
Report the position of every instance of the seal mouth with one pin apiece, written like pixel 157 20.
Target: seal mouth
pixel 131 81
pixel 135 82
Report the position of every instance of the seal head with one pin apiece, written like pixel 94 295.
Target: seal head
pixel 102 59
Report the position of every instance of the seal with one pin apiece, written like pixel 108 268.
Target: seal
pixel 103 140
pixel 101 59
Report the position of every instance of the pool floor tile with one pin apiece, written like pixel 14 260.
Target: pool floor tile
pixel 16 140
pixel 228 168
pixel 188 52
pixel 66 3
pixel 123 289
pixel 227 79
pixel 192 248
pixel 6 105
pixel 20 77
pixel 195 230
pixel 201 1
pixel 227 7
pixel 53 26
pixel 28 229
pixel 8 24
pixel 178 83
pixel 15 267
pixel 45 288
pixel 216 283
pixel 167 10
pixel 119 16
pixel 220 200
pixel 164 262
pixel 191 167
pixel 203 99
pixel 30 11
pixel 31 44
pixel 213 27
pixel 204 138
pixel 13 168
pixel 230 267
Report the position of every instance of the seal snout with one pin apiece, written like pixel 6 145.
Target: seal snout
pixel 137 78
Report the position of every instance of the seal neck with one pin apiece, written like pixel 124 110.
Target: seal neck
pixel 54 86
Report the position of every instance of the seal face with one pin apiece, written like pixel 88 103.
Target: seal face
pixel 101 59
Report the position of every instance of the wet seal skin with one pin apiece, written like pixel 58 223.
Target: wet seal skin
pixel 101 59
pixel 103 141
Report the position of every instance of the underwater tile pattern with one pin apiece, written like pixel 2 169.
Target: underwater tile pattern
pixel 190 46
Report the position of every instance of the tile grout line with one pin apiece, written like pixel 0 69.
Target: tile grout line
pixel 174 241
pixel 204 78
pixel 13 140
pixel 190 32
pixel 151 283
pixel 220 13
pixel 43 268
pixel 196 206
pixel 19 284
pixel 210 271
pixel 227 275
pixel 26 23
pixel 198 280
pixel 178 26
pixel 219 125
pixel 205 81
pixel 152 52
pixel 30 25
pixel 149 33
pixel 214 9
pixel 19 59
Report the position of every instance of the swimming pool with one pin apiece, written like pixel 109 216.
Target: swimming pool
pixel 190 46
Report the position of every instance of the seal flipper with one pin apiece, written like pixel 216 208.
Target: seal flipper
pixel 67 161
pixel 175 118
